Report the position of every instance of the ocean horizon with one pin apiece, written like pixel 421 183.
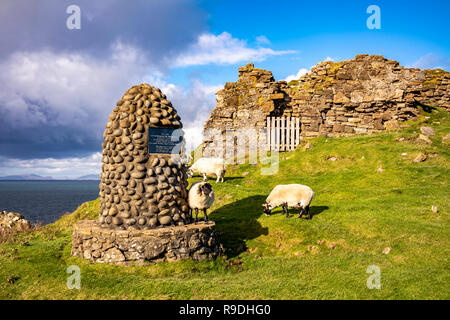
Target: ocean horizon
pixel 45 201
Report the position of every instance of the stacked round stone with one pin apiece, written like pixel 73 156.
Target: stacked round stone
pixel 140 190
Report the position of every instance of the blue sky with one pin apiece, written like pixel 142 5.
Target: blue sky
pixel 57 86
pixel 319 29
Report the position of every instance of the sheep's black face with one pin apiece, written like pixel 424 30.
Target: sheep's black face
pixel 267 209
pixel 206 189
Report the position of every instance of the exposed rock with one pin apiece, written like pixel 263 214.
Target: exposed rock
pixel 392 125
pixel 308 146
pixel 428 131
pixel 424 138
pixel 113 255
pixel 420 158
pixel 13 221
pixel 434 209
pixel 332 245
pixel 446 139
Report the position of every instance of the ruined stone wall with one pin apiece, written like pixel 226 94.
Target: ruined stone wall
pixel 364 95
pixel 244 104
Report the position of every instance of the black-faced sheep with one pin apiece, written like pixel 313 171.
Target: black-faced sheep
pixel 209 167
pixel 201 197
pixel 289 195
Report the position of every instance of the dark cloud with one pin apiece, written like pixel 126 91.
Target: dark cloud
pixel 56 105
pixel 159 27
pixel 58 86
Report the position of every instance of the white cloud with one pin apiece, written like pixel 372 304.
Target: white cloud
pixel 75 90
pixel 196 102
pixel 262 40
pixel 302 71
pixel 222 49
pixel 431 61
pixel 69 97
pixel 297 76
pixel 68 168
pixel 64 100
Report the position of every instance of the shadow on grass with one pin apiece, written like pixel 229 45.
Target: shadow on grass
pixel 232 178
pixel 313 210
pixel 236 222
pixel 213 180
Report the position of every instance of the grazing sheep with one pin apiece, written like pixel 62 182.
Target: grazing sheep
pixel 289 195
pixel 201 197
pixel 209 167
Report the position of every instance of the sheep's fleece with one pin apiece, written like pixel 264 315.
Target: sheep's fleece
pixel 295 195
pixel 209 167
pixel 197 200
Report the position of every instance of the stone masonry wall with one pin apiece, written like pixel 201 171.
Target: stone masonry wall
pixel 364 95
pixel 98 244
pixel 244 104
pixel 139 190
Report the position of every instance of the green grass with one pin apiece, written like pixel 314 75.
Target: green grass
pixel 356 214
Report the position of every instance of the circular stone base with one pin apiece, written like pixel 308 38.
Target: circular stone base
pixel 192 241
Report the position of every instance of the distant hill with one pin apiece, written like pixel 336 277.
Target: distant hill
pixel 89 177
pixel 26 177
pixel 38 177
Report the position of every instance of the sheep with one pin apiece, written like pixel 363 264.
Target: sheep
pixel 289 195
pixel 200 197
pixel 209 167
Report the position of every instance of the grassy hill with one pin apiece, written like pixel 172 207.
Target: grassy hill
pixel 360 211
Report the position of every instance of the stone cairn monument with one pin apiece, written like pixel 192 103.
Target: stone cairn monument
pixel 144 213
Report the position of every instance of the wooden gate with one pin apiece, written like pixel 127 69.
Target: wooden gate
pixel 283 133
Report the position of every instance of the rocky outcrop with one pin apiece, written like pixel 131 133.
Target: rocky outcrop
pixel 364 95
pixel 13 221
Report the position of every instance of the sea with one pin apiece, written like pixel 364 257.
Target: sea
pixel 46 201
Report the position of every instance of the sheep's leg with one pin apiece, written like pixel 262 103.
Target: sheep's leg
pixel 196 216
pixel 222 179
pixel 283 211
pixel 309 214
pixel 206 216
pixel 218 178
pixel 286 209
pixel 302 210
pixel 204 177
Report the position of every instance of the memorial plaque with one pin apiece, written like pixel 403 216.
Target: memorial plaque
pixel 164 140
